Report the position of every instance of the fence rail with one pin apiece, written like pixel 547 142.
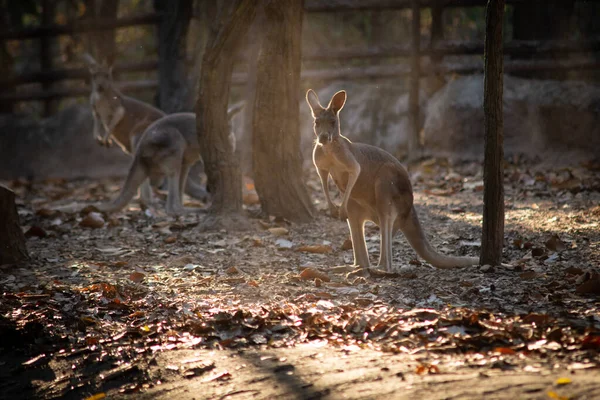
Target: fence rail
pixel 81 26
pixel 435 52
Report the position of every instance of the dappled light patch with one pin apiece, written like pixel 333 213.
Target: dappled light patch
pixel 99 305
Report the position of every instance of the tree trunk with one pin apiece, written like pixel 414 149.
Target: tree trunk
pixel 103 42
pixel 174 91
pixel 46 54
pixel 437 31
pixel 253 45
pixel 224 179
pixel 12 240
pixel 7 63
pixel 414 145
pixel 277 159
pixel 493 171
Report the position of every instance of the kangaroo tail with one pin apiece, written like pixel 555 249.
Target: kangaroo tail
pixel 135 177
pixel 416 237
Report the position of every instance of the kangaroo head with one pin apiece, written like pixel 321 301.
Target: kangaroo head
pixel 102 79
pixel 327 120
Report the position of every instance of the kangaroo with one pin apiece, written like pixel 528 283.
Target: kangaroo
pixel 375 187
pixel 124 119
pixel 168 147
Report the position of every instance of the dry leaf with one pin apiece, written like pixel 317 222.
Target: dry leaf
pixel 556 396
pixel 46 212
pixel 319 249
pixel 278 231
pixel 504 350
pixel 555 244
pixel 92 220
pixel 313 273
pixel 182 261
pixel 170 239
pixel 563 381
pixel 136 277
pixel 232 271
pixel 592 285
pixel 36 231
pixel 440 192
pixel 347 245
pixel 527 275
pixel 97 396
pixel 119 264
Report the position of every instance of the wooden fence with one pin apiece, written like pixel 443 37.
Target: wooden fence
pixel 425 60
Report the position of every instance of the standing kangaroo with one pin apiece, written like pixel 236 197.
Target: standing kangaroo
pixel 375 187
pixel 124 119
pixel 168 147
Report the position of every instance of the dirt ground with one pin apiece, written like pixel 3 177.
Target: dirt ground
pixel 142 305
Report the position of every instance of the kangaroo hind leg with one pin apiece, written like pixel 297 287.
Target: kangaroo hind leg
pixel 356 223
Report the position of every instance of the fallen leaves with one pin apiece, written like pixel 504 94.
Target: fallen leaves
pixel 313 273
pixel 92 220
pixel 278 231
pixel 137 277
pixel 590 283
pixel 317 249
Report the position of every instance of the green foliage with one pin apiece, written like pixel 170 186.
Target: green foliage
pixel 18 11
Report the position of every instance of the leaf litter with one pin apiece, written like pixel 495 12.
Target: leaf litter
pixel 103 296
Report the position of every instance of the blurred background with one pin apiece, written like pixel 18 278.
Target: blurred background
pixel 367 47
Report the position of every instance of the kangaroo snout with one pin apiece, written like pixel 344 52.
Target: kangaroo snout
pixel 324 138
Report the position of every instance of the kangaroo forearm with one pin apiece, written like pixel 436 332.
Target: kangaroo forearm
pixel 114 121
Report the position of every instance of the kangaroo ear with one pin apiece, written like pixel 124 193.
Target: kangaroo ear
pixel 313 102
pixel 89 60
pixel 337 101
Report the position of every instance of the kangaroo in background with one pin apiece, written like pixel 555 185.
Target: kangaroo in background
pixel 124 119
pixel 168 147
pixel 375 187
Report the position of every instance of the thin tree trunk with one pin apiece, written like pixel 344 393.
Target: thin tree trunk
pixel 174 88
pixel 413 95
pixel 437 30
pixel 253 43
pixel 277 159
pixel 493 171
pixel 222 169
pixel 7 70
pixel 12 240
pixel 104 45
pixel 46 46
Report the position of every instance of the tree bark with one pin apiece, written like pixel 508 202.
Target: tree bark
pixel 12 240
pixel 224 179
pixel 414 145
pixel 253 45
pixel 277 159
pixel 46 54
pixel 493 171
pixel 103 42
pixel 174 91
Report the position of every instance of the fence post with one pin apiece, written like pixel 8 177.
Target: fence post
pixel 437 31
pixel 46 45
pixel 414 145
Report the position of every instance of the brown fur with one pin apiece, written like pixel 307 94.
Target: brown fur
pixel 124 119
pixel 375 187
